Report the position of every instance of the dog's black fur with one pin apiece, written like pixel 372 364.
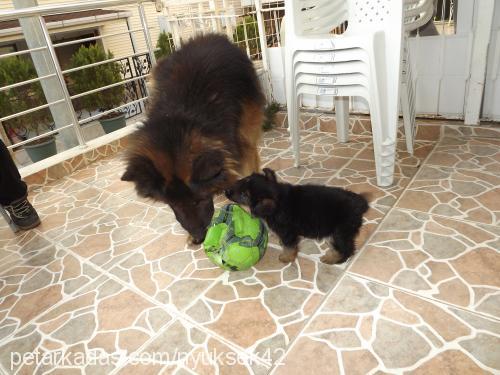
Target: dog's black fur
pixel 202 130
pixel 311 211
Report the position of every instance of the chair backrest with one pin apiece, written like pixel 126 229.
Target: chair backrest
pixel 417 13
pixel 310 17
pixel 374 14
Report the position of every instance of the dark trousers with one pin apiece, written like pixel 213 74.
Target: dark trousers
pixel 11 185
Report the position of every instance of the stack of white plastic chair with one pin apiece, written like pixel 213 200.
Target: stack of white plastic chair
pixel 416 14
pixel 364 61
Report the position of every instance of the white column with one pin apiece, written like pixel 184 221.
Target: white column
pixel 475 87
pixel 33 34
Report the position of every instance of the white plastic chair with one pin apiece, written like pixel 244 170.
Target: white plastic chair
pixel 416 14
pixel 369 52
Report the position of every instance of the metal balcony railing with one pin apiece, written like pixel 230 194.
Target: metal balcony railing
pixel 135 82
pixel 255 29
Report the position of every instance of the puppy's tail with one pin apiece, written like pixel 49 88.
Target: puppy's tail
pixel 367 195
pixel 367 198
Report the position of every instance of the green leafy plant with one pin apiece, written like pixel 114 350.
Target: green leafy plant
pixel 248 24
pixel 270 115
pixel 96 77
pixel 21 98
pixel 165 45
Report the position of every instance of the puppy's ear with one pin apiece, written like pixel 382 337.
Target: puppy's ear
pixel 264 208
pixel 270 175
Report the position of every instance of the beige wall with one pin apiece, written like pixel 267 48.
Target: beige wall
pixel 120 45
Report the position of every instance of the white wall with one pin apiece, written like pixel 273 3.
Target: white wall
pixel 442 71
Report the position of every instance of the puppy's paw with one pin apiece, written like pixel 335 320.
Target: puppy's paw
pixel 287 257
pixel 332 258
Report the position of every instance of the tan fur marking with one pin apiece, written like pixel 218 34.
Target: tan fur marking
pixel 289 254
pixel 197 145
pixel 162 162
pixel 331 257
pixel 250 131
pixel 250 134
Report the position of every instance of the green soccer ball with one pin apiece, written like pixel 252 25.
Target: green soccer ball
pixel 235 240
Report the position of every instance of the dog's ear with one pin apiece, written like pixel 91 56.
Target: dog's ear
pixel 263 208
pixel 270 175
pixel 128 175
pixel 141 170
pixel 207 166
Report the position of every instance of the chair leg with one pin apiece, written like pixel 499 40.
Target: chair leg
pixel 407 97
pixel 407 120
pixel 385 151
pixel 295 131
pixel 292 109
pixel 342 118
pixel 384 100
pixel 384 132
pixel 9 221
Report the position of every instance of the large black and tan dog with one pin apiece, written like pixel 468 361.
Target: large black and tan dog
pixel 202 130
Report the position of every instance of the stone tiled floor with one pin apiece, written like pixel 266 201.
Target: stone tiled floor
pixel 108 280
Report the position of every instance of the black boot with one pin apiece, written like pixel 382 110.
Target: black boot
pixel 23 214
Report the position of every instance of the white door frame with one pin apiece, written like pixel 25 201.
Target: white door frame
pixel 482 36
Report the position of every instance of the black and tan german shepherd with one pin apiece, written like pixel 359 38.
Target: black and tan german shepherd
pixel 202 130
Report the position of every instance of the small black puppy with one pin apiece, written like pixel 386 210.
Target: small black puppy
pixel 310 211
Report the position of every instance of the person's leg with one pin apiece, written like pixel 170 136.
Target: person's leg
pixel 12 187
pixel 13 193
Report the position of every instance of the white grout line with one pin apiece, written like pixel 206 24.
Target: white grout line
pixel 391 286
pixel 176 314
pixel 171 309
pixel 130 286
pixel 459 219
pixel 346 271
pixel 430 299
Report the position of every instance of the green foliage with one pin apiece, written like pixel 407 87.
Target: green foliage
pixel 248 23
pixel 270 115
pixel 165 45
pixel 95 77
pixel 21 98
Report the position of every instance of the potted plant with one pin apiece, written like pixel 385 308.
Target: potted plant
pixel 247 27
pixel 164 45
pixel 96 77
pixel 270 115
pixel 21 98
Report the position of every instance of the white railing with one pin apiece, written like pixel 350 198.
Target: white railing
pixel 65 101
pixel 253 25
pixel 260 29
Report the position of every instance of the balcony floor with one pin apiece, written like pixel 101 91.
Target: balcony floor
pixel 110 272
